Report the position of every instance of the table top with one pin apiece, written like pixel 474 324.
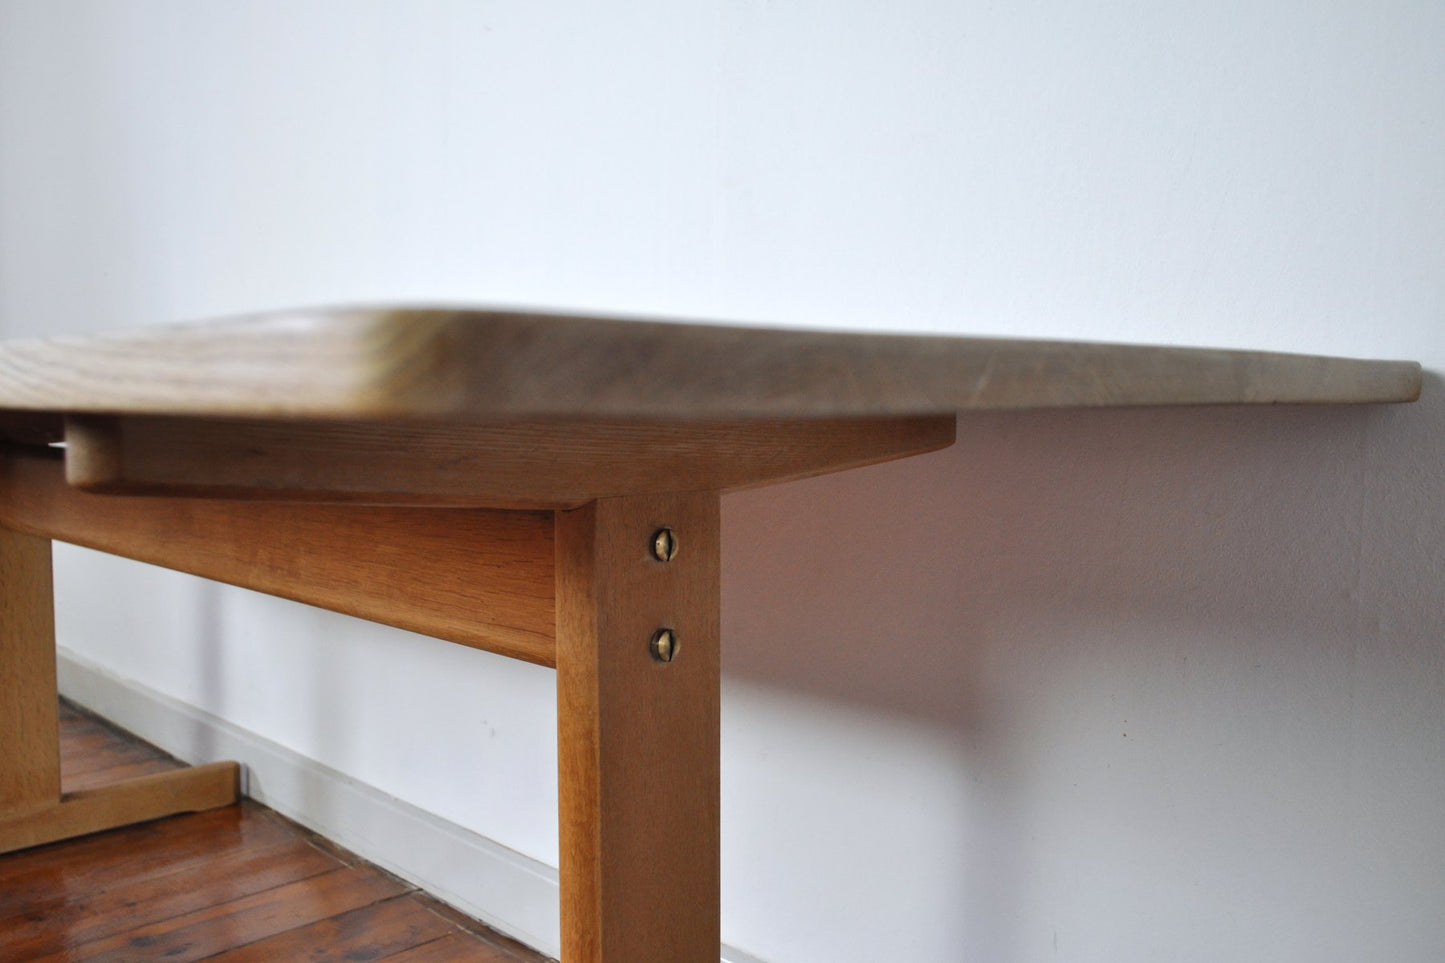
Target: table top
pixel 471 366
pixel 516 410
pixel 363 459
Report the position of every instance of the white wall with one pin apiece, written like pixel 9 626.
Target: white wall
pixel 1117 686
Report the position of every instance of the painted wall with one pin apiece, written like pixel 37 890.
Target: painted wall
pixel 1116 686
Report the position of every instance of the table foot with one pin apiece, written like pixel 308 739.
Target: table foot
pixel 32 809
pixel 122 804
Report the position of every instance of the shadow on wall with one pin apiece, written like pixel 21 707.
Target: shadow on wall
pixel 887 583
pixel 1249 594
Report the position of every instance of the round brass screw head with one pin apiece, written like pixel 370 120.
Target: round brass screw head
pixel 664 645
pixel 664 545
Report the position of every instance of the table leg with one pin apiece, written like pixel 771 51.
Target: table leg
pixel 29 728
pixel 638 735
pixel 32 808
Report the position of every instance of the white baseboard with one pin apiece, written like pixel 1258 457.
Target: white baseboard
pixel 508 891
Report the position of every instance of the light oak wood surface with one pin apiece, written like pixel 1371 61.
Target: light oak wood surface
pixel 510 409
pixel 123 803
pixel 481 365
pixel 29 739
pixel 505 465
pixel 637 739
pixel 481 578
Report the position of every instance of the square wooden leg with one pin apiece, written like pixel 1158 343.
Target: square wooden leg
pixel 29 727
pixel 32 808
pixel 637 735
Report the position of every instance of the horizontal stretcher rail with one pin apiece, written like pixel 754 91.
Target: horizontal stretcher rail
pixel 477 577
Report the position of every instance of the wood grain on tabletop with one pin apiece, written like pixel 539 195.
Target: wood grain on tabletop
pixel 481 365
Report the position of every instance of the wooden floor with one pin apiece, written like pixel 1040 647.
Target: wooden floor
pixel 234 884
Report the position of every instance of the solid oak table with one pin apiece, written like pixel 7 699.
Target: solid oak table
pixel 539 486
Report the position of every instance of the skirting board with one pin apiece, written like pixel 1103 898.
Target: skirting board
pixel 508 891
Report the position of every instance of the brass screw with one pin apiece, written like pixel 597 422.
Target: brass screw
pixel 664 545
pixel 664 645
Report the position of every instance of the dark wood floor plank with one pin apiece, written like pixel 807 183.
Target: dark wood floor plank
pixel 457 948
pixel 89 744
pixel 82 735
pixel 82 731
pixel 242 881
pixel 218 928
pixel 105 756
pixel 509 948
pixel 94 778
pixel 93 853
pixel 99 750
pixel 60 926
pixel 371 933
pixel 31 893
pixel 74 721
pixel 112 858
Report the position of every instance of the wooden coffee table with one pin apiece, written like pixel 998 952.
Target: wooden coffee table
pixel 540 486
